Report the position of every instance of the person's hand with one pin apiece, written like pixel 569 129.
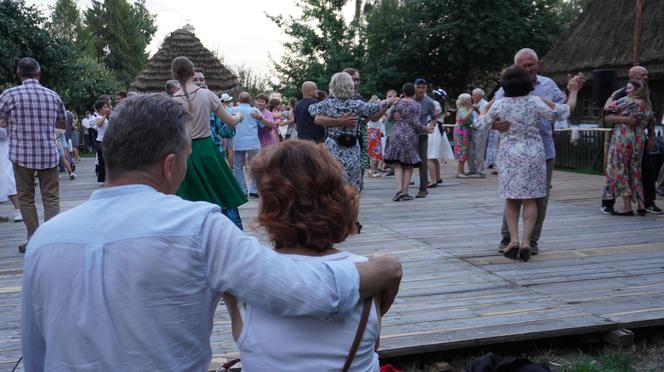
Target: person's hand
pixel 397 116
pixel 501 125
pixel 256 115
pixel 239 116
pixel 392 282
pixel 348 120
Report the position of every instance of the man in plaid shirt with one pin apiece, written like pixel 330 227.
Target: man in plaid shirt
pixel 34 112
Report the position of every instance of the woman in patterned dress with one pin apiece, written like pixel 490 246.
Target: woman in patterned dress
pixel 403 152
pixel 339 104
pixel 522 176
pixel 464 123
pixel 623 167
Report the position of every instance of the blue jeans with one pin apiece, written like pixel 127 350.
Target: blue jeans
pixel 239 158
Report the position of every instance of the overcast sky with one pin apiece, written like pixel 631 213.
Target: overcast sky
pixel 238 29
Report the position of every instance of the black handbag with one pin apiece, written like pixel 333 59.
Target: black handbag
pixel 346 139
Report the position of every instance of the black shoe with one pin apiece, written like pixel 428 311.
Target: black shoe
pixel 607 209
pixel 654 209
pixel 630 213
pixel 432 185
pixel 512 252
pixel 253 195
pixel 439 181
pixel 641 212
pixel 398 196
pixel 524 253
pixel 534 251
pixel 359 227
pixel 22 247
pixel 412 183
pixel 422 194
pixel 390 174
pixel 504 243
pixel 406 197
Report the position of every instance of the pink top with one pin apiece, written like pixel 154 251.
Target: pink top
pixel 267 134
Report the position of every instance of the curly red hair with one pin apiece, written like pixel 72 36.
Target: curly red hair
pixel 304 201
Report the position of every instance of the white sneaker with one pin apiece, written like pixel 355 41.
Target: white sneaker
pixel 72 176
pixel 18 217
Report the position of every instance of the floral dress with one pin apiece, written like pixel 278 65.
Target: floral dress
pixel 349 157
pixel 462 131
pixel 375 146
pixel 623 167
pixel 403 148
pixel 521 157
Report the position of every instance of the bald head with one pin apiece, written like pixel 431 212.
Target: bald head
pixel 309 89
pixel 527 58
pixel 244 97
pixel 639 73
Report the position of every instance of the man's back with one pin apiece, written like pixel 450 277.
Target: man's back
pixel 306 128
pixel 33 111
pixel 130 293
pixel 246 135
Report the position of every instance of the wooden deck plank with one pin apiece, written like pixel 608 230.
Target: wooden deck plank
pixel 594 273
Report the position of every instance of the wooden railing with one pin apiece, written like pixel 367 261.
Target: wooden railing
pixel 587 153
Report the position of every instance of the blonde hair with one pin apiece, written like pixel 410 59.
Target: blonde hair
pixel 464 97
pixel 182 70
pixel 374 99
pixel 342 86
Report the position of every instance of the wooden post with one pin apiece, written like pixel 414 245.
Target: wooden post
pixel 637 33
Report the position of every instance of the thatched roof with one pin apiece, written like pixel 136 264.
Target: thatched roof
pixel 183 42
pixel 602 37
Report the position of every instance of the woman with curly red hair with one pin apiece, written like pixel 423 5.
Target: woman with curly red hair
pixel 305 208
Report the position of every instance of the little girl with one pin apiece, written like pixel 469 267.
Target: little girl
pixel 464 122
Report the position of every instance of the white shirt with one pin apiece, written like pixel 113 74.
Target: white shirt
pixel 137 291
pixel 100 130
pixel 85 122
pixel 270 342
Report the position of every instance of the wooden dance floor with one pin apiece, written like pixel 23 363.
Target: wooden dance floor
pixel 594 273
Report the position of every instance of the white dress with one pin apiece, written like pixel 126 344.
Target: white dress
pixel 438 147
pixel 7 181
pixel 521 157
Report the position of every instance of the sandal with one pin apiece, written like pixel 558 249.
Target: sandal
pixel 512 251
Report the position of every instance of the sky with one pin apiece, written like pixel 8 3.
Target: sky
pixel 237 29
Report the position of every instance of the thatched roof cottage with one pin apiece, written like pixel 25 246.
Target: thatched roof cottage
pixel 602 38
pixel 183 42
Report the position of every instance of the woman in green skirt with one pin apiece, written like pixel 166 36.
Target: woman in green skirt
pixel 208 177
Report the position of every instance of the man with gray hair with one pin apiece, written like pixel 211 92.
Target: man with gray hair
pixel 172 86
pixel 547 88
pixel 136 293
pixel 34 112
pixel 478 137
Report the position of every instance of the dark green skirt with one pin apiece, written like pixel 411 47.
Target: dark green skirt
pixel 209 178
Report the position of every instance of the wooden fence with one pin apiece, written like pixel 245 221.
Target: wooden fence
pixel 587 152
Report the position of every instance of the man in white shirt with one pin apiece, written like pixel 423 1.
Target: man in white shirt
pixel 139 289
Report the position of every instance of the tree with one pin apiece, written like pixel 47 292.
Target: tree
pixel 25 33
pixel 66 24
pixel 453 42
pixel 121 32
pixel 321 44
pixel 92 79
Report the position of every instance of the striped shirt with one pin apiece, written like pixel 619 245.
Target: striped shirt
pixel 33 111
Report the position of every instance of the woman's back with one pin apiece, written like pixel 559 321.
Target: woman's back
pixel 409 111
pixel 203 102
pixel 335 108
pixel 272 342
pixel 524 115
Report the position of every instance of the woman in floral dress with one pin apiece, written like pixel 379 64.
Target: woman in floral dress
pixel 464 122
pixel 522 176
pixel 623 168
pixel 347 153
pixel 403 151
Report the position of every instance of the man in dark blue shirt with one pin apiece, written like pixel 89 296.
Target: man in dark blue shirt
pixel 304 123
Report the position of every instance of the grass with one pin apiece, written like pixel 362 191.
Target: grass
pixel 561 355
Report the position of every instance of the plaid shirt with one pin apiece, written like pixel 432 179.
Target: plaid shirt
pixel 32 111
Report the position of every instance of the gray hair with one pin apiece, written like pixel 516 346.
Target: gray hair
pixel 464 97
pixel 28 68
pixel 342 86
pixel 479 91
pixel 171 84
pixel 144 129
pixel 524 52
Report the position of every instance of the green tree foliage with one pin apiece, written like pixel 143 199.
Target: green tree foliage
pixel 451 43
pixel 120 34
pixel 321 43
pixel 66 24
pixel 90 80
pixel 24 33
